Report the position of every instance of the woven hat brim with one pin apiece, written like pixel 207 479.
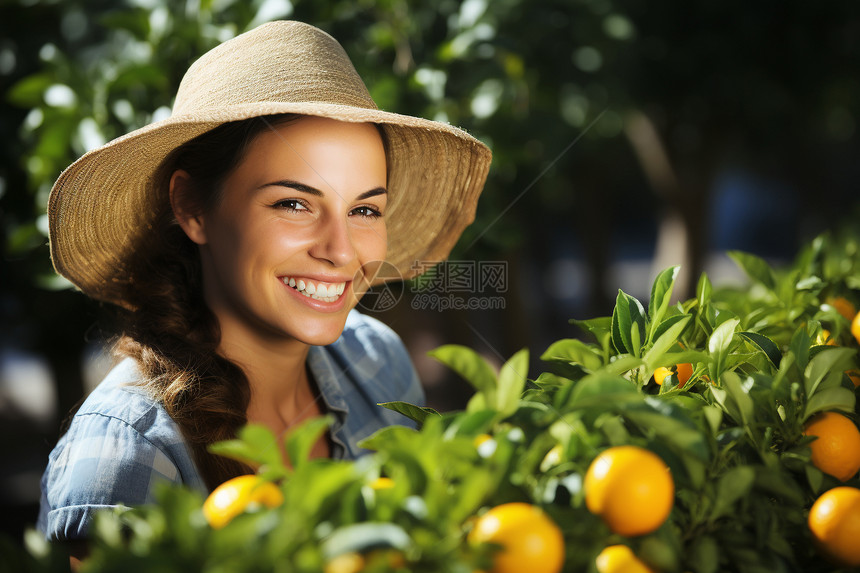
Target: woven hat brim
pixel 105 201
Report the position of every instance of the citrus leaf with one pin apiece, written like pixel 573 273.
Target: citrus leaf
pixel 739 392
pixel 415 413
pixel 705 555
pixel 839 398
pixel 666 340
pixel 826 368
pixel 667 324
pixel 512 380
pixel 755 267
pixel 362 537
pixel 735 484
pixel 703 291
pixel 573 350
pixel 597 327
pixel 627 315
pixel 661 296
pixel 468 364
pixel 768 346
pixel 719 344
pixel 602 390
pixel 301 439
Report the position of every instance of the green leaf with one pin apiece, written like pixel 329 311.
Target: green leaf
pixel 255 446
pixel 838 398
pixel 28 91
pixel 826 368
pixel 665 342
pixel 735 484
pixel 667 324
pixel 573 350
pixel 470 365
pixel 799 346
pixel 704 554
pixel 362 537
pixel 661 296
pixel 512 380
pixel 755 268
pixel 739 392
pixel 703 291
pixel 768 346
pixel 719 344
pixel 301 439
pixel 603 390
pixel 627 316
pixel 597 327
pixel 415 413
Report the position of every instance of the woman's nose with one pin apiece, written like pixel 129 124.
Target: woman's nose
pixel 334 242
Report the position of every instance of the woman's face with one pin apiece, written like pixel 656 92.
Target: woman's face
pixel 300 221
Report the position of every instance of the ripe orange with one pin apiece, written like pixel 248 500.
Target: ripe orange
pixel 834 521
pixel 237 495
pixel 345 563
pixel 683 371
pixel 825 338
pixel 531 540
pixel 620 559
pixel 631 489
pixel 843 306
pixel 854 376
pixel 837 449
pixel 382 483
pixel 855 327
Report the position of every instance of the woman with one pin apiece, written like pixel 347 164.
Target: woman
pixel 236 237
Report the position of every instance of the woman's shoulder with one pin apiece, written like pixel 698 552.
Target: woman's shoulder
pixel 120 443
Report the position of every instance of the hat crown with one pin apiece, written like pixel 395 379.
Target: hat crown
pixel 284 61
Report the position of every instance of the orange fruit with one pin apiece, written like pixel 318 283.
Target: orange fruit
pixel 837 449
pixel 631 489
pixel 382 483
pixel 620 559
pixel 238 495
pixel 530 540
pixel 855 327
pixel 683 371
pixel 843 306
pixel 854 375
pixel 834 521
pixel 350 562
pixel 825 338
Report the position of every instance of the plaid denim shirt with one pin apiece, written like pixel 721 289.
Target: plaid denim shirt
pixel 121 442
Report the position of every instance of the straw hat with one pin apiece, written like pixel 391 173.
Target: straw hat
pixel 106 199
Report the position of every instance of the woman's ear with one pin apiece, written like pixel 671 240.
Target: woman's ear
pixel 189 218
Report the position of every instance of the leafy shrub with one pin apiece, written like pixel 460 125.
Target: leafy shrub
pixel 732 437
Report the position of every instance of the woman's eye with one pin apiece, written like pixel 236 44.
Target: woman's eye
pixel 366 211
pixel 292 205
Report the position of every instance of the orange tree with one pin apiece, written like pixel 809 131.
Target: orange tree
pixel 733 438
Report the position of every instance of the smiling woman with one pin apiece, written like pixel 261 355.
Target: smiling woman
pixel 235 239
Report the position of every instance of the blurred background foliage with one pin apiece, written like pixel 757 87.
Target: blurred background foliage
pixel 627 136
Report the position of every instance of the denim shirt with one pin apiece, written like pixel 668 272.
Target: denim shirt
pixel 121 442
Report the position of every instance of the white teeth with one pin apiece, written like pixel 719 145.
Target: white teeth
pixel 323 292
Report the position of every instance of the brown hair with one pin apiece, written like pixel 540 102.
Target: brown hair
pixel 170 332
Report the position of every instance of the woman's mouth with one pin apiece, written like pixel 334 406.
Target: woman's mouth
pixel 325 292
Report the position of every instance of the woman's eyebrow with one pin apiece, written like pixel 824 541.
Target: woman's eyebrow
pixel 314 191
